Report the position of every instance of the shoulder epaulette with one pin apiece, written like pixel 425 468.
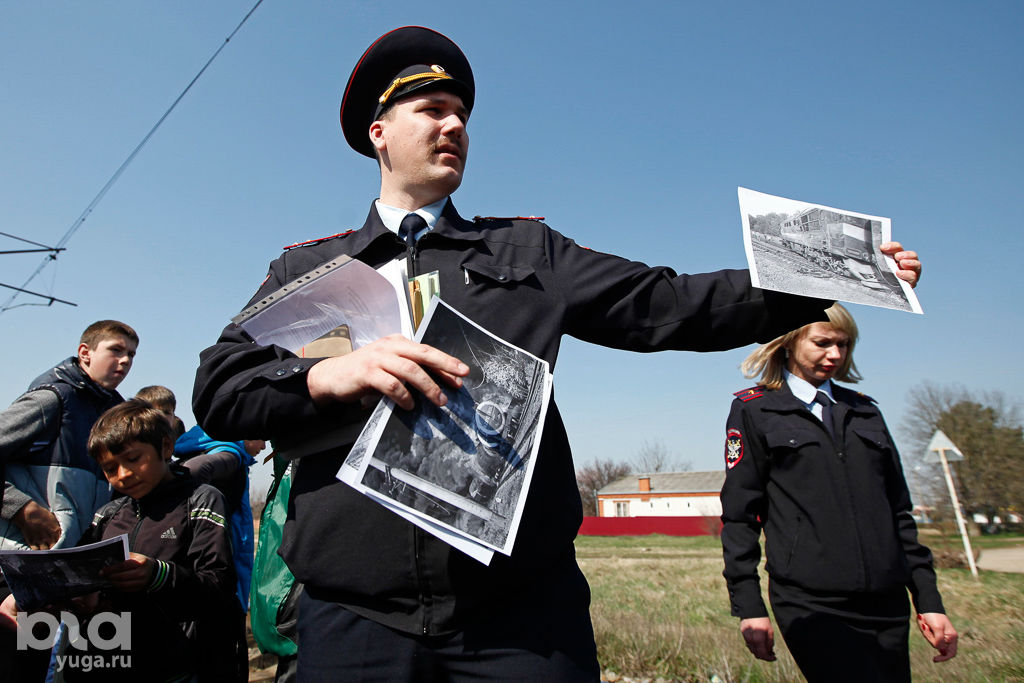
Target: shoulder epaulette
pixel 756 391
pixel 478 219
pixel 318 240
pixel 858 394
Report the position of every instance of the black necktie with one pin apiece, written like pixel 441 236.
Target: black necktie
pixel 822 399
pixel 410 227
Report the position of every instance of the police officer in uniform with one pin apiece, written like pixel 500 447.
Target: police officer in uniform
pixel 384 600
pixel 812 464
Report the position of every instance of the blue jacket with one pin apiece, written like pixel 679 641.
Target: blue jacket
pixel 57 471
pixel 236 491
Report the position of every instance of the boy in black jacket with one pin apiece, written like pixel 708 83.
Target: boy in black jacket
pixel 178 582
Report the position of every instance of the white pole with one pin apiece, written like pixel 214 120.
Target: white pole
pixel 956 510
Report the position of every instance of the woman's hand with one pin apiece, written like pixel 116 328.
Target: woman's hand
pixel 940 634
pixel 760 637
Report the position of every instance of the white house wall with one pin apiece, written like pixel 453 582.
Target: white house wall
pixel 681 506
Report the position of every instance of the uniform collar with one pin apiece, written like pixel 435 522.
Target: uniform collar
pixel 392 216
pixel 783 400
pixel 805 391
pixel 449 224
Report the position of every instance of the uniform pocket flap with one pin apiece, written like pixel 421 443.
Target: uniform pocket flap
pixel 499 273
pixel 873 437
pixel 791 438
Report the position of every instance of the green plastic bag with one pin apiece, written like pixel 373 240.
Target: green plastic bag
pixel 272 582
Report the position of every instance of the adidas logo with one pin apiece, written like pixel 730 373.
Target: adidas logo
pixel 169 533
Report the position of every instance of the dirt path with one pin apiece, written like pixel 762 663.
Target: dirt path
pixel 1002 559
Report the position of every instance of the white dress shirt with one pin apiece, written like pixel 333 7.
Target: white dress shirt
pixel 805 392
pixel 392 216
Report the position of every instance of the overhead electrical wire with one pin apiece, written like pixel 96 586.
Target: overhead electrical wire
pixel 113 179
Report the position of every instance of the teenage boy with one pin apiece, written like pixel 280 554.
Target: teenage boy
pixel 52 487
pixel 179 578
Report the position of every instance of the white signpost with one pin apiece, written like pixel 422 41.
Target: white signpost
pixel 945 450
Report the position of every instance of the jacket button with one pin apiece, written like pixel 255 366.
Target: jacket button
pixel 280 373
pixel 792 442
pixel 297 368
pixel 502 278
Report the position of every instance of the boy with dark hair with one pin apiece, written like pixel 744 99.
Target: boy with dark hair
pixel 178 581
pixel 162 398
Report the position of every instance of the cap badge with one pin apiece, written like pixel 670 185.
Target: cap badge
pixel 436 73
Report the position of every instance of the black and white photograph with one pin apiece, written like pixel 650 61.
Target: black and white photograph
pixel 466 466
pixel 38 578
pixel 351 472
pixel 821 251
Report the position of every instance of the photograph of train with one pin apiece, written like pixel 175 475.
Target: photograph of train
pixel 820 251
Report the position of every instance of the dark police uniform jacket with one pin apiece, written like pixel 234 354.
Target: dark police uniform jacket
pixel 835 512
pixel 529 285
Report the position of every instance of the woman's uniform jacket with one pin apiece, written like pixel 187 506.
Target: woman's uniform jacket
pixel 835 511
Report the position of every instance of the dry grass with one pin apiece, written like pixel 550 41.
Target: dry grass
pixel 660 609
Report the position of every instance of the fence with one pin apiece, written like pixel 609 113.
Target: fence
pixel 642 526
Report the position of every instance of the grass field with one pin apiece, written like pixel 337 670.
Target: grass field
pixel 660 609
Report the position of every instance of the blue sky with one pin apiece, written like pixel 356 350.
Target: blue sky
pixel 627 125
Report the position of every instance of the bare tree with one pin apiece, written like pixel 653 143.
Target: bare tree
pixel 986 428
pixel 654 457
pixel 597 475
pixel 257 501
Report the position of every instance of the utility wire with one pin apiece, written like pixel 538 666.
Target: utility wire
pixel 22 239
pixel 42 247
pixel 117 174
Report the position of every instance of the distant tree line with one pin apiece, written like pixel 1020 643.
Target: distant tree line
pixel 650 458
pixel 987 429
pixel 768 224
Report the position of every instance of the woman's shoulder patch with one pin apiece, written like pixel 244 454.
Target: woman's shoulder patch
pixel 733 448
pixel 749 394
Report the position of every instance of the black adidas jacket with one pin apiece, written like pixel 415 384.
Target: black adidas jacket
pixel 180 524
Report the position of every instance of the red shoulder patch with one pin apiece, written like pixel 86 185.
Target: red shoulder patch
pixel 756 391
pixel 319 239
pixel 477 219
pixel 733 448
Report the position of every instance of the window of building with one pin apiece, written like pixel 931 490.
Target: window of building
pixel 622 509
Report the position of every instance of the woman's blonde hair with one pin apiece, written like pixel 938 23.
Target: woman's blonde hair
pixel 769 360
